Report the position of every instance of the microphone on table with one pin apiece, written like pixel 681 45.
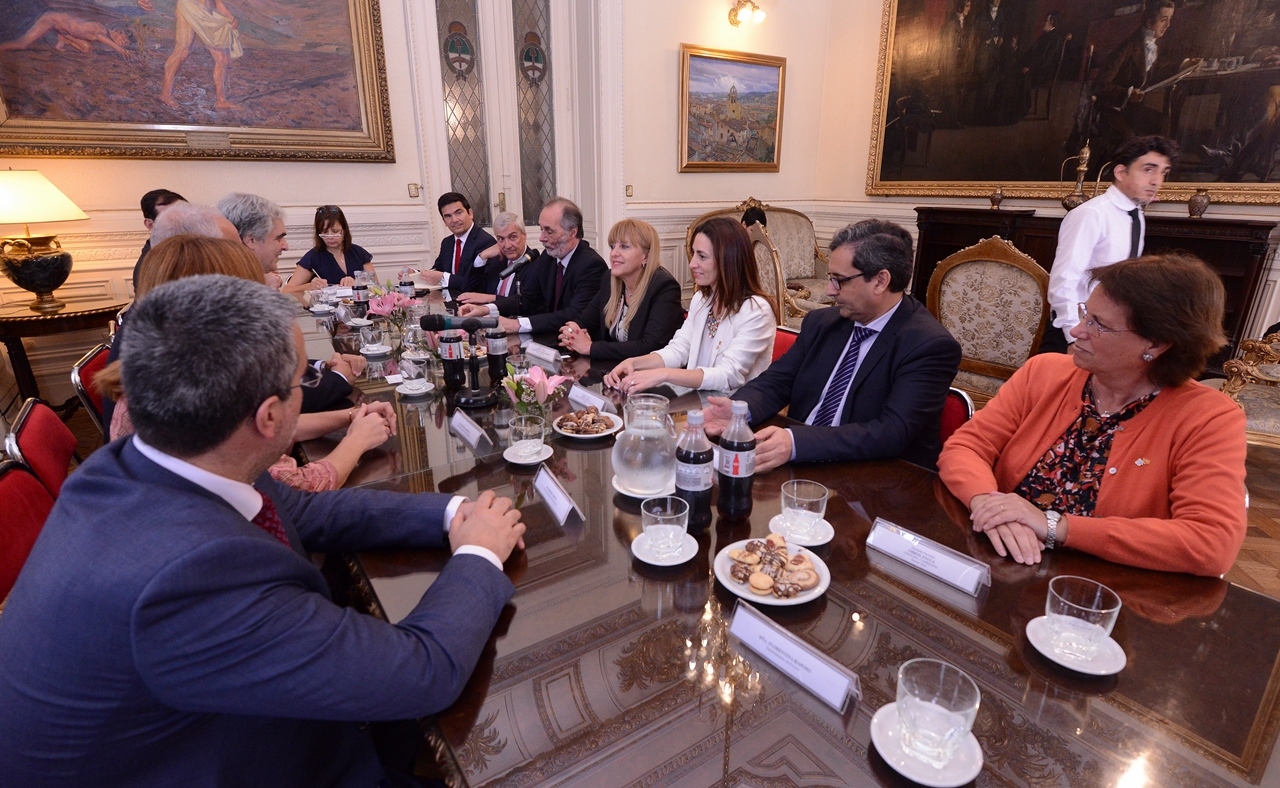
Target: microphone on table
pixel 468 324
pixel 516 265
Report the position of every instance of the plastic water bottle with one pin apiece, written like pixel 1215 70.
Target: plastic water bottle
pixel 695 471
pixel 736 468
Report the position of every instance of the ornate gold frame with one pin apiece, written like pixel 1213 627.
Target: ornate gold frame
pixel 373 142
pixel 1234 193
pixel 687 50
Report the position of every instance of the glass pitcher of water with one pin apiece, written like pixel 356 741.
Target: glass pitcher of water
pixel 644 455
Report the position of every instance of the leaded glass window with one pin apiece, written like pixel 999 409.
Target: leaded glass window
pixel 533 91
pixel 464 103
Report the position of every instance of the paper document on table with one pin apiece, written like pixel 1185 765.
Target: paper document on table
pixel 830 681
pixel 951 567
pixel 1171 80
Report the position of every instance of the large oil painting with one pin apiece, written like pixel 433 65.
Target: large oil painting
pixel 201 78
pixel 973 94
pixel 730 110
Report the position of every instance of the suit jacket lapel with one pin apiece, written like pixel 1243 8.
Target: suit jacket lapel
pixel 882 344
pixel 695 343
pixel 824 363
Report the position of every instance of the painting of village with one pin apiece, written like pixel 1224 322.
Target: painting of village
pixel 731 111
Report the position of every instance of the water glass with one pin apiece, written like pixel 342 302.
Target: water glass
pixel 414 342
pixel 520 363
pixel 370 339
pixel 937 704
pixel 804 503
pixel 665 520
pixel 527 433
pixel 414 374
pixel 1081 615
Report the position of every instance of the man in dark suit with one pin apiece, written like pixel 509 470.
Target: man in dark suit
pixel 867 377
pixel 1124 74
pixel 498 293
pixel 153 203
pixel 169 628
pixel 456 265
pixel 565 278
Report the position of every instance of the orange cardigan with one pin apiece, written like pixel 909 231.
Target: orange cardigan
pixel 1173 497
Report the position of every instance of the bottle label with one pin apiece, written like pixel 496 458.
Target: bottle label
pixel 360 293
pixel 406 288
pixel 737 463
pixel 450 351
pixel 693 477
pixel 497 345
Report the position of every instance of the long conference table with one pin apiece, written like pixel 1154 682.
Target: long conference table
pixel 586 680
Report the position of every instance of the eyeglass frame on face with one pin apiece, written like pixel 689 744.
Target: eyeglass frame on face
pixel 1092 325
pixel 839 281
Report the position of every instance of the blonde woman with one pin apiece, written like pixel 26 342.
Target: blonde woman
pixel 638 309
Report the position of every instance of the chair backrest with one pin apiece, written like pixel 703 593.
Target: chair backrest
pixel 82 377
pixel 40 441
pixel 26 506
pixel 783 339
pixel 956 412
pixel 770 269
pixel 994 301
pixel 790 231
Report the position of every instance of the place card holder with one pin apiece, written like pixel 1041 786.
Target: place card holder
pixel 828 680
pixel 344 292
pixel 936 560
pixel 466 428
pixel 394 380
pixel 585 398
pixel 555 496
pixel 542 352
pixel 934 589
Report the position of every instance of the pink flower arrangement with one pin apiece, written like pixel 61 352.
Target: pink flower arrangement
pixel 393 306
pixel 534 388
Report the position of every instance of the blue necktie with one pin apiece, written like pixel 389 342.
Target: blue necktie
pixel 841 379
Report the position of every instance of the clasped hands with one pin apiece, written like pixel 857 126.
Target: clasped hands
pixel 1015 526
pixel 575 338
pixel 489 522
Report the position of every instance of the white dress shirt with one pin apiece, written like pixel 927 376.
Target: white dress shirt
pixel 246 499
pixel 461 239
pixel 525 325
pixel 1095 234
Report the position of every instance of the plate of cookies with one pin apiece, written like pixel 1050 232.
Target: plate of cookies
pixel 771 572
pixel 587 423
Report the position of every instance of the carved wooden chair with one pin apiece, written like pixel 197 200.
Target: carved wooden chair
pixel 994 301
pixel 769 269
pixel 1253 381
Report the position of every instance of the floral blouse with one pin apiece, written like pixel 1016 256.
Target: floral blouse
pixel 1067 477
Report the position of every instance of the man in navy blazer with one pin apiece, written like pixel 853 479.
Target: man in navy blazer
pixel 457 267
pixel 868 376
pixel 498 293
pixel 168 627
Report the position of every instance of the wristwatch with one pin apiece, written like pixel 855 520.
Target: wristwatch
pixel 1051 529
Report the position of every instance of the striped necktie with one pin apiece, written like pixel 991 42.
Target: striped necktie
pixel 841 379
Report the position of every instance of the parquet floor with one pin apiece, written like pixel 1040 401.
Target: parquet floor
pixel 1258 566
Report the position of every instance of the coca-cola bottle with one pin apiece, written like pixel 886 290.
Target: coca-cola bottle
pixel 406 283
pixel 737 464
pixel 694 471
pixel 451 358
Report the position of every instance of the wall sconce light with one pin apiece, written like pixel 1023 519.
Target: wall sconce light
pixel 736 14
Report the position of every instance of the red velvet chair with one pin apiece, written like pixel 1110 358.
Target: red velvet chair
pixel 40 441
pixel 783 339
pixel 26 506
pixel 82 377
pixel 957 410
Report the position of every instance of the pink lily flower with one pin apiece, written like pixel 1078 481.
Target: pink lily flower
pixel 382 305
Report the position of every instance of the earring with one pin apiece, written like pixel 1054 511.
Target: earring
pixel 1148 357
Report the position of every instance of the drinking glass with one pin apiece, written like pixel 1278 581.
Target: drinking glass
pixel 526 436
pixel 370 339
pixel 665 520
pixel 804 503
pixel 937 703
pixel 1081 615
pixel 414 374
pixel 520 362
pixel 414 342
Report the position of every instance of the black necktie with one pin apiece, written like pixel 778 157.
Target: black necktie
pixel 1135 236
pixel 559 285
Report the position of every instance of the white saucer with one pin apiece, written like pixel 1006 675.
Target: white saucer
pixel 322 309
pixel 670 489
pixel 640 549
pixel 824 532
pixel 510 456
pixel 1109 660
pixel 359 322
pixel 403 388
pixel 886 734
pixel 376 350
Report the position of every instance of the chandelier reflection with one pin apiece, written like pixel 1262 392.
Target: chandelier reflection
pixel 714 665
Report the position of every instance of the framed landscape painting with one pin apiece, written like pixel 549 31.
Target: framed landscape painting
pixel 730 110
pixel 238 79
pixel 972 94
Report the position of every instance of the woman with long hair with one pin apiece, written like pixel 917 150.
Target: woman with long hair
pixel 319 267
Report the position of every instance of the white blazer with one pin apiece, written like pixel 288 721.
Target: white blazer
pixel 744 343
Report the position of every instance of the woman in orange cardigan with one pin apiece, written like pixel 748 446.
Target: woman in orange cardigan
pixel 1115 449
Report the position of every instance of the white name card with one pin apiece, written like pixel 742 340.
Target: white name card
pixel 554 495
pixel 540 351
pixel 344 292
pixel 585 398
pixel 951 567
pixel 467 429
pixel 830 681
pixel 395 379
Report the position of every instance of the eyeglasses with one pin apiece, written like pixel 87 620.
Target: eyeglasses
pixel 1093 326
pixel 328 209
pixel 838 281
pixel 310 378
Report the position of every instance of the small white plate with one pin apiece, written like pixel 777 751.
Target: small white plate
pixel 886 734
pixel 510 456
pixel 641 550
pixel 359 322
pixel 403 388
pixel 617 425
pixel 669 490
pixel 322 309
pixel 1109 660
pixel 375 350
pixel 724 563
pixel 823 532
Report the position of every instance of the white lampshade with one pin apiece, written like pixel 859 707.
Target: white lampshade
pixel 27 197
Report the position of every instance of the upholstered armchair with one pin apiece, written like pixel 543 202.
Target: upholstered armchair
pixel 1253 381
pixel 993 299
pixel 770 269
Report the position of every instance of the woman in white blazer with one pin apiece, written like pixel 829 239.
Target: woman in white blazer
pixel 728 337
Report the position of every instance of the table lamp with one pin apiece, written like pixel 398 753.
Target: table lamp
pixel 35 263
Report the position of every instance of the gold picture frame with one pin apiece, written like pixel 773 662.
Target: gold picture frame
pixel 909 41
pixel 345 94
pixel 719 133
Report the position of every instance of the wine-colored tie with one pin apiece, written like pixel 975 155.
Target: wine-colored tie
pixel 457 255
pixel 268 519
pixel 559 284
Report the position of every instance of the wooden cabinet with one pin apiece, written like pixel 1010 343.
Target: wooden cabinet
pixel 1236 249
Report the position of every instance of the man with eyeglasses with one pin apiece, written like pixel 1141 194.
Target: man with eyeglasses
pixel 169 626
pixel 868 376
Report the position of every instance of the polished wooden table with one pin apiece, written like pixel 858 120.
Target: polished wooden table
pixel 586 682
pixel 18 321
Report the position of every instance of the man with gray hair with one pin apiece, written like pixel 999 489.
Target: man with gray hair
pixel 185 218
pixel 169 624
pixel 499 292
pixel 260 225
pixel 868 376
